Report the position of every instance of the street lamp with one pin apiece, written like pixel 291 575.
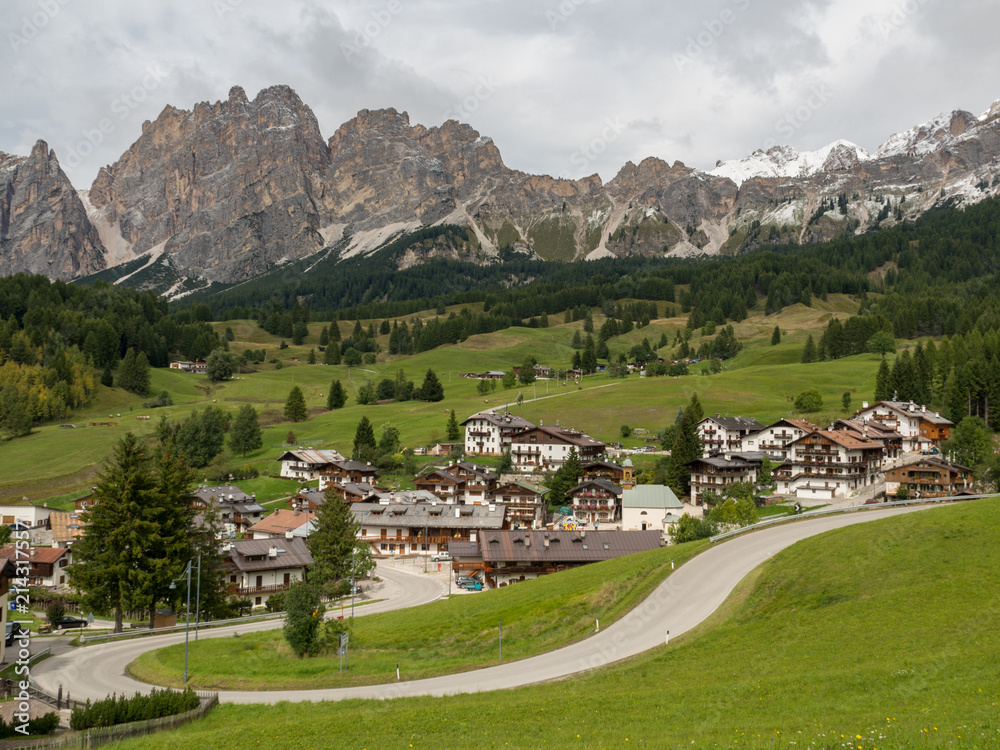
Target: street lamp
pixel 187 610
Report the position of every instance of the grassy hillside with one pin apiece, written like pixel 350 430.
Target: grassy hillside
pixel 881 635
pixel 447 636
pixel 760 382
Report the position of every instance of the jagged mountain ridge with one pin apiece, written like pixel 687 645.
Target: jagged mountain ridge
pixel 227 191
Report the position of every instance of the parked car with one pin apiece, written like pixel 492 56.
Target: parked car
pixel 13 631
pixel 69 621
pixel 441 557
pixel 472 585
pixel 462 580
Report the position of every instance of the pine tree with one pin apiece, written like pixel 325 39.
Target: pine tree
pixel 384 328
pixel 337 397
pixel 364 440
pixel 295 406
pixel 107 378
pixel 110 555
pixel 245 434
pixel 776 336
pixel 588 362
pixel 431 390
pixel 882 392
pixel 324 336
pixel 332 355
pixel 687 447
pixel 809 352
pixel 332 541
pixel 453 432
pixel 573 468
pixel 334 332
pixel 577 342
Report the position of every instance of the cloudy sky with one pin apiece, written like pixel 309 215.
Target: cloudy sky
pixel 565 88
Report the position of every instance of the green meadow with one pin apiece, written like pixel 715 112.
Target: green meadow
pixel 452 635
pixel 880 635
pixel 760 382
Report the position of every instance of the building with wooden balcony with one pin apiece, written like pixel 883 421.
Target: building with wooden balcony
pixel 775 439
pixel 489 434
pixel 623 475
pixel 306 464
pixel 719 434
pixel 258 568
pixel 890 440
pixel 525 503
pixel 279 524
pixel 547 448
pixel 596 501
pixel 920 427
pixel 235 510
pixel 507 557
pixel 346 472
pixel 46 565
pixel 714 473
pixel 828 464
pixel 929 477
pixel 403 529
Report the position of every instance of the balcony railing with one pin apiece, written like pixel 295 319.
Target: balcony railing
pixel 258 590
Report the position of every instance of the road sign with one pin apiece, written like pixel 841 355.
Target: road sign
pixel 344 638
pixel 90 618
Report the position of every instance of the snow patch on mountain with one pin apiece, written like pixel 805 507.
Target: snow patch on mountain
pixel 785 161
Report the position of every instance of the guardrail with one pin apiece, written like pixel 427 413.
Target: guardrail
pixel 205 625
pixel 850 509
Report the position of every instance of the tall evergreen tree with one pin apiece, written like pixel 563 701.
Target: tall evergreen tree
pixel 332 541
pixel 573 467
pixel 431 390
pixel 245 434
pixel 324 336
pixel 452 428
pixel 295 406
pixel 687 447
pixel 336 398
pixel 332 355
pixel 334 332
pixel 776 336
pixel 882 392
pixel 364 439
pixel 588 362
pixel 809 351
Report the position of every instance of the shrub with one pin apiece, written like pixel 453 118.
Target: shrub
pixel 156 402
pixel 808 401
pixel 42 725
pixel 122 710
pixel 55 609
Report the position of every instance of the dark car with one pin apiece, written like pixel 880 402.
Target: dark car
pixel 13 631
pixel 462 580
pixel 69 621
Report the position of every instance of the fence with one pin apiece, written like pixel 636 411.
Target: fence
pixel 203 625
pixel 100 736
pixel 849 509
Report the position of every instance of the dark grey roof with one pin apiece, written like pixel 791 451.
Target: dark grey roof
pixel 501 420
pixel 564 546
pixel 354 466
pixel 604 484
pixel 439 516
pixel 222 493
pixel 737 423
pixel 291 553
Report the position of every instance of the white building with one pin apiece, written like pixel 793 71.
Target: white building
pixel 724 434
pixel 648 507
pixel 547 448
pixel 921 429
pixel 24 515
pixel 828 464
pixel 775 439
pixel 489 434
pixel 258 568
pixel 306 465
pixel 46 565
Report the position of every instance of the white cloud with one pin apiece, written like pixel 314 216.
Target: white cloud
pixel 688 82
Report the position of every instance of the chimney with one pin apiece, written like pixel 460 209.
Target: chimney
pixel 546 542
pixel 924 408
pixel 864 404
pixel 583 533
pixel 272 552
pixel 527 540
pixel 458 512
pixel 289 534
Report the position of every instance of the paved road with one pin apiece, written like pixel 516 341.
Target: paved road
pixel 680 603
pixel 97 671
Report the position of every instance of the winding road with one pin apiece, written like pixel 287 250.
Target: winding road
pixel 685 599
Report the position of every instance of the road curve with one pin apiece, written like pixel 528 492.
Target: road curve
pixel 681 602
pixel 97 671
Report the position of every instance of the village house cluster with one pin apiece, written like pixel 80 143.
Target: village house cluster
pixel 498 528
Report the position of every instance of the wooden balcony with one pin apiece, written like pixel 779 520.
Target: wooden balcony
pixel 276 588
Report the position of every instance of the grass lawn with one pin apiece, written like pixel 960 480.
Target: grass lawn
pixel 881 635
pixel 448 636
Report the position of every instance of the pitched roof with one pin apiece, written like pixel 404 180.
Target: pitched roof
pixel 523 484
pixel 846 439
pixel 736 423
pixel 564 546
pixel 912 409
pixel 939 462
pixel 603 464
pixel 354 466
pixel 291 553
pixel 655 496
pixel 283 520
pixel 507 421
pixel 66 527
pixel 564 434
pixel 39 555
pixel 603 484
pixel 439 516
pixel 222 493
pixel 311 456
